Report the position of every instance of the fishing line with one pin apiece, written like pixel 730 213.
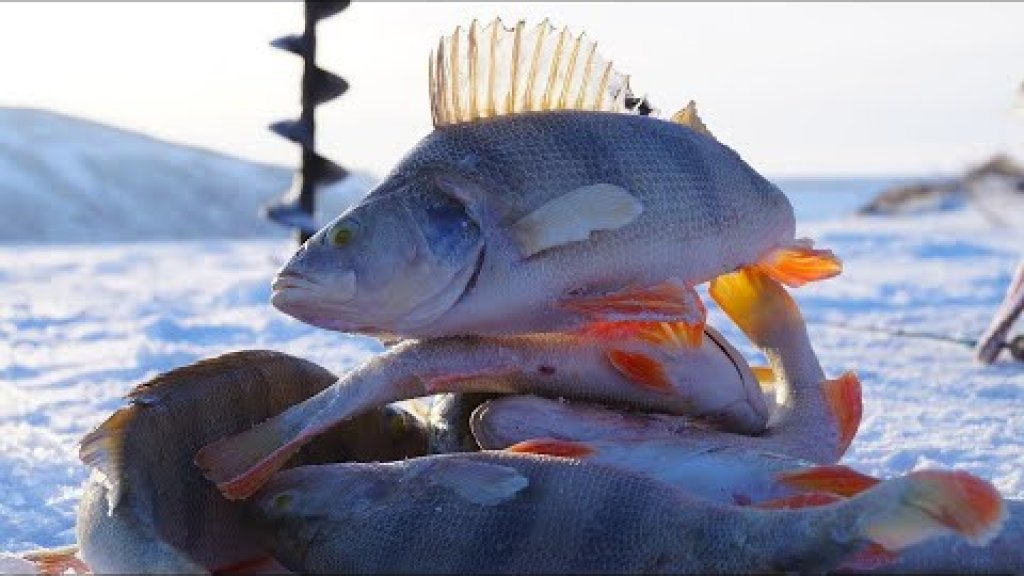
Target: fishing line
pixel 1015 345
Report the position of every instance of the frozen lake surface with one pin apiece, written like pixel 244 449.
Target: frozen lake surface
pixel 82 324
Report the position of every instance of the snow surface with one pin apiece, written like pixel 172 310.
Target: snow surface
pixel 64 179
pixel 81 324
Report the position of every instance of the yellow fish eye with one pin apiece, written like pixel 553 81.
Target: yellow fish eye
pixel 341 235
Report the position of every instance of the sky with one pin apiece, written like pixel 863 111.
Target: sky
pixel 798 89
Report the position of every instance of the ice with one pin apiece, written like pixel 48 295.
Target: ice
pixel 81 324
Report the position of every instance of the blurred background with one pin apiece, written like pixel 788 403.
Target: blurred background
pixel 872 92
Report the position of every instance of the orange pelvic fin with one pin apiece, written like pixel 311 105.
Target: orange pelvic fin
pixel 57 561
pixel 640 369
pixel 845 402
pixel 800 263
pixel 805 500
pixel 939 502
pixel 836 479
pixel 671 301
pixel 552 447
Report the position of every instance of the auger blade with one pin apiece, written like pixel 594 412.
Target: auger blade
pixel 321 10
pixel 327 86
pixel 328 172
pixel 293 43
pixel 293 130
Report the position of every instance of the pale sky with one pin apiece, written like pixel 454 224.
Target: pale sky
pixel 796 89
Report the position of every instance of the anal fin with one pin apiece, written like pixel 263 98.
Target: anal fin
pixel 800 263
pixel 836 479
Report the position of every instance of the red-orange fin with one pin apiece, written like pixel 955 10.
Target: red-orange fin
pixel 800 263
pixel 836 479
pixel 241 464
pixel 844 398
pixel 671 301
pixel 936 502
pixel 552 447
pixel 57 561
pixel 668 335
pixel 755 302
pixel 640 369
pixel 805 500
pixel 872 557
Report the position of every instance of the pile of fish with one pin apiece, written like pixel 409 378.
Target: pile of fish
pixel 532 266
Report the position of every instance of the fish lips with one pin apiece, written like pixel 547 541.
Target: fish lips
pixel 311 300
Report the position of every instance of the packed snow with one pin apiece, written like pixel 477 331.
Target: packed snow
pixel 65 179
pixel 81 324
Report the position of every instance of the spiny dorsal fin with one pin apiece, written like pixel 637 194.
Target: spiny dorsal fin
pixel 496 71
pixel 688 117
pixel 163 383
pixel 103 451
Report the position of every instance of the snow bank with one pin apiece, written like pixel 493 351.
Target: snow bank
pixel 67 180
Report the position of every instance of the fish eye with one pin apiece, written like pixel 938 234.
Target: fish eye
pixel 342 235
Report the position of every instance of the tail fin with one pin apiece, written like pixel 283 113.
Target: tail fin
pixel 242 463
pixel 755 302
pixel 930 503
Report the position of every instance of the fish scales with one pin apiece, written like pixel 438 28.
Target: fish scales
pixel 702 212
pixel 505 513
pixel 155 510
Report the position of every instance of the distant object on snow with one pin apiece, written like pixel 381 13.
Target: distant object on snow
pixel 69 180
pixel 992 188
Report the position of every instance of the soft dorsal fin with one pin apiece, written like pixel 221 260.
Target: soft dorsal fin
pixel 688 117
pixel 102 449
pixel 496 71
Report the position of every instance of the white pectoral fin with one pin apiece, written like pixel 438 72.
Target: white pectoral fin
pixel 572 217
pixel 478 482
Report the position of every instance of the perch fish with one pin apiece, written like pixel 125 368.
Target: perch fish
pixel 545 200
pixel 497 513
pixel 712 381
pixel 146 508
pixel 814 418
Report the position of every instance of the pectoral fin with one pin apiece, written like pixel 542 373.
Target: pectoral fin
pixel 640 369
pixel 478 482
pixel 572 217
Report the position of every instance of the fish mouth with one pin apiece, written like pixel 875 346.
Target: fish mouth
pixel 287 279
pixel 298 295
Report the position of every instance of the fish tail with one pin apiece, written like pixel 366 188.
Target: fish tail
pixel 242 463
pixel 756 302
pixel 927 503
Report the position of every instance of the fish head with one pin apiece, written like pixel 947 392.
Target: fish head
pixel 305 511
pixel 396 261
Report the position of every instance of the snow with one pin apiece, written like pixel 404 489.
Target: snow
pixel 81 324
pixel 64 179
